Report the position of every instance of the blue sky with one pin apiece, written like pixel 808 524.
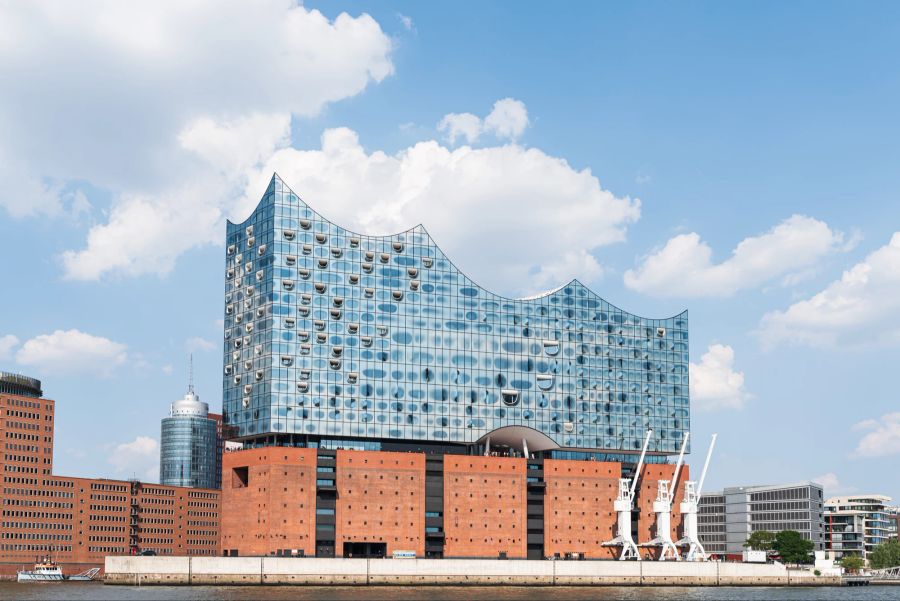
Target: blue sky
pixel 738 160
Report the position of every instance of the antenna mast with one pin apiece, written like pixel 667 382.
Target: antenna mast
pixel 191 375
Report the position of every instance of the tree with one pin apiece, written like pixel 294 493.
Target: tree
pixel 885 555
pixel 792 547
pixel 761 540
pixel 853 563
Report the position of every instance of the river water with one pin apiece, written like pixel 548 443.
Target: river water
pixel 96 590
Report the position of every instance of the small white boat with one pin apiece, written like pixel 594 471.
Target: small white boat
pixel 44 571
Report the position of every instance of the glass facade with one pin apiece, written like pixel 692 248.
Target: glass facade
pixel 329 333
pixel 189 450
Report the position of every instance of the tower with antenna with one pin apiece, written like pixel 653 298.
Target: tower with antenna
pixel 189 443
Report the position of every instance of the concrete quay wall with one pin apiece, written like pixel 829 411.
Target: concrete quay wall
pixel 322 571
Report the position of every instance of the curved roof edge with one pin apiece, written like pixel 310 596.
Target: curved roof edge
pixel 421 227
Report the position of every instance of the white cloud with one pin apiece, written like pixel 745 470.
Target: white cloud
pixel 138 458
pixel 715 385
pixel 407 22
pixel 72 351
pixel 684 266
pixel 558 270
pixel 196 343
pixel 523 198
pixel 504 214
pixel 881 438
pixel 862 307
pixel 506 121
pixel 457 125
pixel 832 485
pixel 7 344
pixel 136 74
pixel 146 233
pixel 168 369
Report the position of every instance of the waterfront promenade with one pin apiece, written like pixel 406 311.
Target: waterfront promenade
pixel 480 572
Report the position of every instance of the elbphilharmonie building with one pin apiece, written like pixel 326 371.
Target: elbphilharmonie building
pixel 387 404
pixel 337 337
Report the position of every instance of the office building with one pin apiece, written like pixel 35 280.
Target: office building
pixel 727 518
pixel 190 452
pixel 856 524
pixel 387 402
pixel 79 521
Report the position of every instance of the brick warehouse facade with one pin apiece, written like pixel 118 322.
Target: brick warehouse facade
pixel 578 513
pixel 79 521
pixel 352 503
pixel 649 482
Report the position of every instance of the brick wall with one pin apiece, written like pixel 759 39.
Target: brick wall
pixel 381 498
pixel 578 507
pixel 269 500
pixel 650 477
pixel 484 506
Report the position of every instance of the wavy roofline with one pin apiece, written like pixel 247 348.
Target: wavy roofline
pixel 527 299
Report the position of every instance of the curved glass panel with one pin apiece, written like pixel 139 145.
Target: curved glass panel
pixel 433 355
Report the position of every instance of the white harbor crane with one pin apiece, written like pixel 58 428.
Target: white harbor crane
pixel 624 505
pixel 662 507
pixel 692 492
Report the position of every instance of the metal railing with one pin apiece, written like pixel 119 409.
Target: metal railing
pixel 886 574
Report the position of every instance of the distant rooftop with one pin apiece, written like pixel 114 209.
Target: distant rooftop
pixel 762 487
pixel 11 383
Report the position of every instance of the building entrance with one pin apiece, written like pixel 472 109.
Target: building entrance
pixel 372 550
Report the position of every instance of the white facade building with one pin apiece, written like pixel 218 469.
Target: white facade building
pixel 727 518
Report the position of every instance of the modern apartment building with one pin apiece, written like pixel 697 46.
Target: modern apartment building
pixel 856 524
pixel 727 518
pixel 78 521
pixel 190 451
pixel 355 362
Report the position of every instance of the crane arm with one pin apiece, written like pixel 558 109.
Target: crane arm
pixel 641 461
pixel 706 465
pixel 674 482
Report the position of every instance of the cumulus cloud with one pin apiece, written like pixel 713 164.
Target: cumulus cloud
pixel 72 351
pixel 461 125
pixel 881 437
pixel 862 307
pixel 684 266
pixel 715 385
pixel 832 485
pixel 136 74
pixel 507 121
pixel 7 344
pixel 196 343
pixel 138 458
pixel 145 233
pixel 508 215
pixel 524 200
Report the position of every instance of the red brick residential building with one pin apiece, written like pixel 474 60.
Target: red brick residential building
pixel 79 521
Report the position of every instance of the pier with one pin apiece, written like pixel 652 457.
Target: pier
pixel 482 572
